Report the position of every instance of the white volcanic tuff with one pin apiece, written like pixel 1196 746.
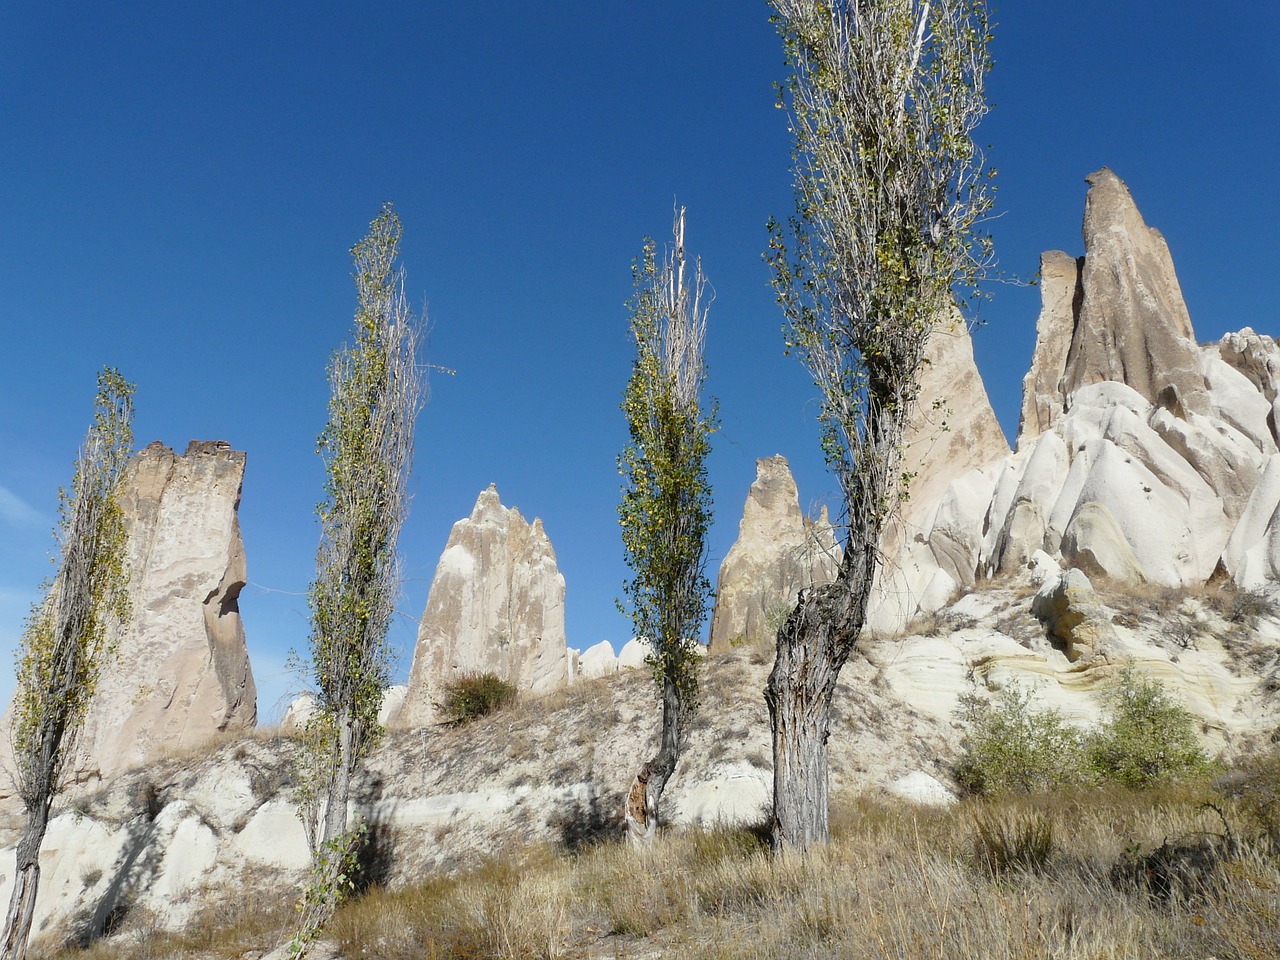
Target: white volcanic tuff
pixel 1060 292
pixel 181 673
pixel 778 552
pixel 952 447
pixel 1141 454
pixel 1132 325
pixel 496 606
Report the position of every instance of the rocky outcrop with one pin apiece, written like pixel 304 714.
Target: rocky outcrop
pixel 496 606
pixel 779 551
pixel 181 673
pixel 953 429
pixel 1141 454
pixel 1132 326
pixel 953 444
pixel 1042 389
pixel 1073 614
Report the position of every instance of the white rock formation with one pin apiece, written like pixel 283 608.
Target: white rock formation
pixel 779 551
pixel 1072 613
pixel 1042 390
pixel 181 673
pixel 496 606
pixel 952 449
pixel 1141 455
pixel 597 661
pixel 633 654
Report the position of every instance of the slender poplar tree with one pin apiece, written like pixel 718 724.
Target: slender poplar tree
pixel 666 501
pixel 890 189
pixel 367 446
pixel 69 637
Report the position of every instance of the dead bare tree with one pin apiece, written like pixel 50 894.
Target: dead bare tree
pixel 69 637
pixel 890 192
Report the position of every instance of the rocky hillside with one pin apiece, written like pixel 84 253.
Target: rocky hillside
pixel 168 836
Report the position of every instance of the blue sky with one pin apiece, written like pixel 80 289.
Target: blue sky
pixel 180 184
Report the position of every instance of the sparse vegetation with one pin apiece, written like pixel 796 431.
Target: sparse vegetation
pixel 475 695
pixel 1052 878
pixel 1014 746
pixel 1147 738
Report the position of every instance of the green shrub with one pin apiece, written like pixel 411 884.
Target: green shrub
pixel 475 695
pixel 1013 747
pixel 1147 738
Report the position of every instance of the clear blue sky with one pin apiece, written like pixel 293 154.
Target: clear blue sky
pixel 180 184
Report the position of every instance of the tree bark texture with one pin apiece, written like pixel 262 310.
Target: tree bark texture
pixel 335 813
pixel 814 643
pixel 26 882
pixel 645 796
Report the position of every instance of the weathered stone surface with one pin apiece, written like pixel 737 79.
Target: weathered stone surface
pixel 1256 356
pixel 1133 323
pixel 1073 613
pixel 778 552
pixel 633 654
pixel 597 661
pixel 496 606
pixel 952 445
pixel 953 429
pixel 182 673
pixel 1093 542
pixel 1060 295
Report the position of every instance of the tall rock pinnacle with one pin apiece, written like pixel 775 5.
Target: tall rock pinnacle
pixel 778 553
pixel 182 670
pixel 496 606
pixel 1133 326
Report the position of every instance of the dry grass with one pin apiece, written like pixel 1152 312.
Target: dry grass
pixel 232 923
pixel 1062 876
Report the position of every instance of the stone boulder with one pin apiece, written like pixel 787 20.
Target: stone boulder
pixel 1072 613
pixel 779 551
pixel 496 606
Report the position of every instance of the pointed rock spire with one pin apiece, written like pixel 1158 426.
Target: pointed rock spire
pixel 496 606
pixel 1133 326
pixel 778 553
pixel 1060 295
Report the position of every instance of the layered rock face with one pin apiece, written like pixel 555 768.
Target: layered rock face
pixel 778 552
pixel 1141 455
pixel 496 606
pixel 182 670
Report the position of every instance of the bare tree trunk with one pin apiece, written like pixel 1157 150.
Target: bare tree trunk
pixel 335 814
pixel 26 881
pixel 814 643
pixel 646 789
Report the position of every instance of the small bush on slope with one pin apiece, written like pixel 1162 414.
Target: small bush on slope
pixel 475 695
pixel 1014 747
pixel 1147 738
